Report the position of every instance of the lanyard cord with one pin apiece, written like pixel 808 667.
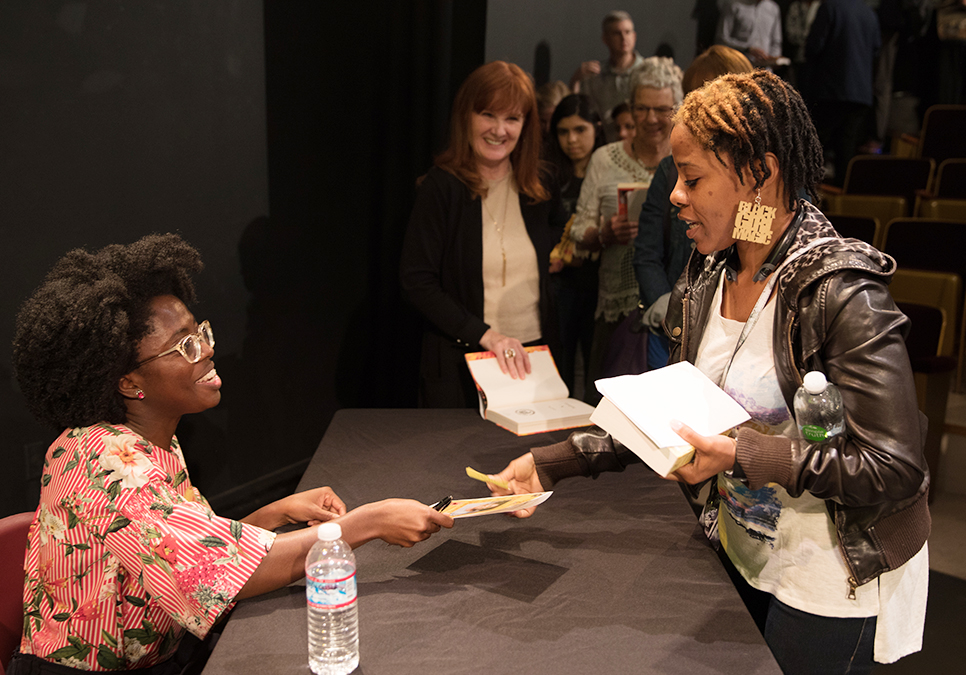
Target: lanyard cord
pixel 763 300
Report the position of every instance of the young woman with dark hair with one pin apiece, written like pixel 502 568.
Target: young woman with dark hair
pixel 575 133
pixel 125 556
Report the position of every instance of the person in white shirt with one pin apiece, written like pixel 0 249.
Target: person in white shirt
pixel 753 27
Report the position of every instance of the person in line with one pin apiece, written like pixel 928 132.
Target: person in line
pixel 900 22
pixel 661 247
pixel 598 229
pixel 610 84
pixel 826 540
pixel 706 14
pixel 125 556
pixel 841 53
pixel 549 95
pixel 575 133
pixel 476 254
pixel 798 22
pixel 624 119
pixel 753 27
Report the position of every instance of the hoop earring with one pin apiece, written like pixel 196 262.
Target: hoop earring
pixel 140 395
pixel 753 222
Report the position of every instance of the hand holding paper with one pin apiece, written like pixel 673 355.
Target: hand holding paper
pixel 476 475
pixel 521 478
pixel 712 454
pixel 637 410
pixel 510 354
pixel 484 506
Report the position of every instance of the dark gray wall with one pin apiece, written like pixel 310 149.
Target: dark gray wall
pixel 572 30
pixel 120 119
pixel 283 138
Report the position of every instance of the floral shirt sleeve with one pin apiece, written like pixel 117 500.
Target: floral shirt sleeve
pixel 125 554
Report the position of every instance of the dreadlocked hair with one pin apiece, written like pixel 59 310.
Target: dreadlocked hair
pixel 78 333
pixel 747 115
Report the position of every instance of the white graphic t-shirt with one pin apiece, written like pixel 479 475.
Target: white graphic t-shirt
pixel 781 544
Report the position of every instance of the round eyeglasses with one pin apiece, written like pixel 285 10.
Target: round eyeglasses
pixel 660 111
pixel 191 346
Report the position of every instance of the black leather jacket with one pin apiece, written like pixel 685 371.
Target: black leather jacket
pixel 835 315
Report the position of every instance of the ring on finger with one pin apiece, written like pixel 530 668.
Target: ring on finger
pixel 510 353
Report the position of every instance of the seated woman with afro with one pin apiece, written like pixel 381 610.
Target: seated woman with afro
pixel 124 554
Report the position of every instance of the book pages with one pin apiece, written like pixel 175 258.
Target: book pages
pixel 543 383
pixel 676 392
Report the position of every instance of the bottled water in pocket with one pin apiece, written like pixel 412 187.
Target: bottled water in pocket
pixel 818 409
pixel 330 590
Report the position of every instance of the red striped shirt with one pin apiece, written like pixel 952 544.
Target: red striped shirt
pixel 124 554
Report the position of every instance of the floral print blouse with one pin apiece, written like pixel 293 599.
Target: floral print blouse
pixel 124 555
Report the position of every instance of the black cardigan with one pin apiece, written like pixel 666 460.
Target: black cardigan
pixel 441 269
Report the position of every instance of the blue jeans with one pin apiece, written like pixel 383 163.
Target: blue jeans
pixel 808 644
pixel 658 350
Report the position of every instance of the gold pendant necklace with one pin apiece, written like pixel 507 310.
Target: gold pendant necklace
pixel 496 224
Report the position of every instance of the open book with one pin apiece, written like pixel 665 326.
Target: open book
pixel 630 199
pixel 637 410
pixel 540 402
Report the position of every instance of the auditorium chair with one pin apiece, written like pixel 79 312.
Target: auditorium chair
pixel 13 544
pixel 888 175
pixel 932 373
pixel 947 199
pixel 866 228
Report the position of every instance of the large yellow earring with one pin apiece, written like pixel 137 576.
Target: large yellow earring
pixel 753 222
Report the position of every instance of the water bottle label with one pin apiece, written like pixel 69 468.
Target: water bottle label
pixel 330 593
pixel 813 433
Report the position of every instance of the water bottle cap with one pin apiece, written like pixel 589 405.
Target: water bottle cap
pixel 329 532
pixel 815 382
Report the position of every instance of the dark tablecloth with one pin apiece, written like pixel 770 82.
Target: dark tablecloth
pixel 609 576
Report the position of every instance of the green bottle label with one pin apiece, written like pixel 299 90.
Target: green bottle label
pixel 813 433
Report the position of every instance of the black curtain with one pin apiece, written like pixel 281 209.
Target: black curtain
pixel 358 101
pixel 124 122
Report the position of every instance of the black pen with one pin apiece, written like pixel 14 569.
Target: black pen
pixel 442 503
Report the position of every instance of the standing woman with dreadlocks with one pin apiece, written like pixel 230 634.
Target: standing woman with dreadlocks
pixel 826 540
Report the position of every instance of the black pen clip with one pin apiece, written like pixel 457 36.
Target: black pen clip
pixel 442 503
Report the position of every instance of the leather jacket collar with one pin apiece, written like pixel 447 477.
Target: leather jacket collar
pixel 836 315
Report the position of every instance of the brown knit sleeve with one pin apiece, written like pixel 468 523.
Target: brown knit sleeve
pixel 556 462
pixel 764 459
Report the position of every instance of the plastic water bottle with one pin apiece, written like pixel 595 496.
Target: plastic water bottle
pixel 818 409
pixel 330 590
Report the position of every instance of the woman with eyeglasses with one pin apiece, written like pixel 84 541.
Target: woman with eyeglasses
pixel 598 229
pixel 124 555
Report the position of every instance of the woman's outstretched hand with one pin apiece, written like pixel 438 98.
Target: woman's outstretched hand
pixel 712 454
pixel 521 476
pixel 510 354
pixel 315 506
pixel 311 507
pixel 403 522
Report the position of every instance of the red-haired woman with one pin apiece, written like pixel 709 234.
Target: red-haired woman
pixel 476 254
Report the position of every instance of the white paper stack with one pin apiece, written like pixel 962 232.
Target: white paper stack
pixel 637 410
